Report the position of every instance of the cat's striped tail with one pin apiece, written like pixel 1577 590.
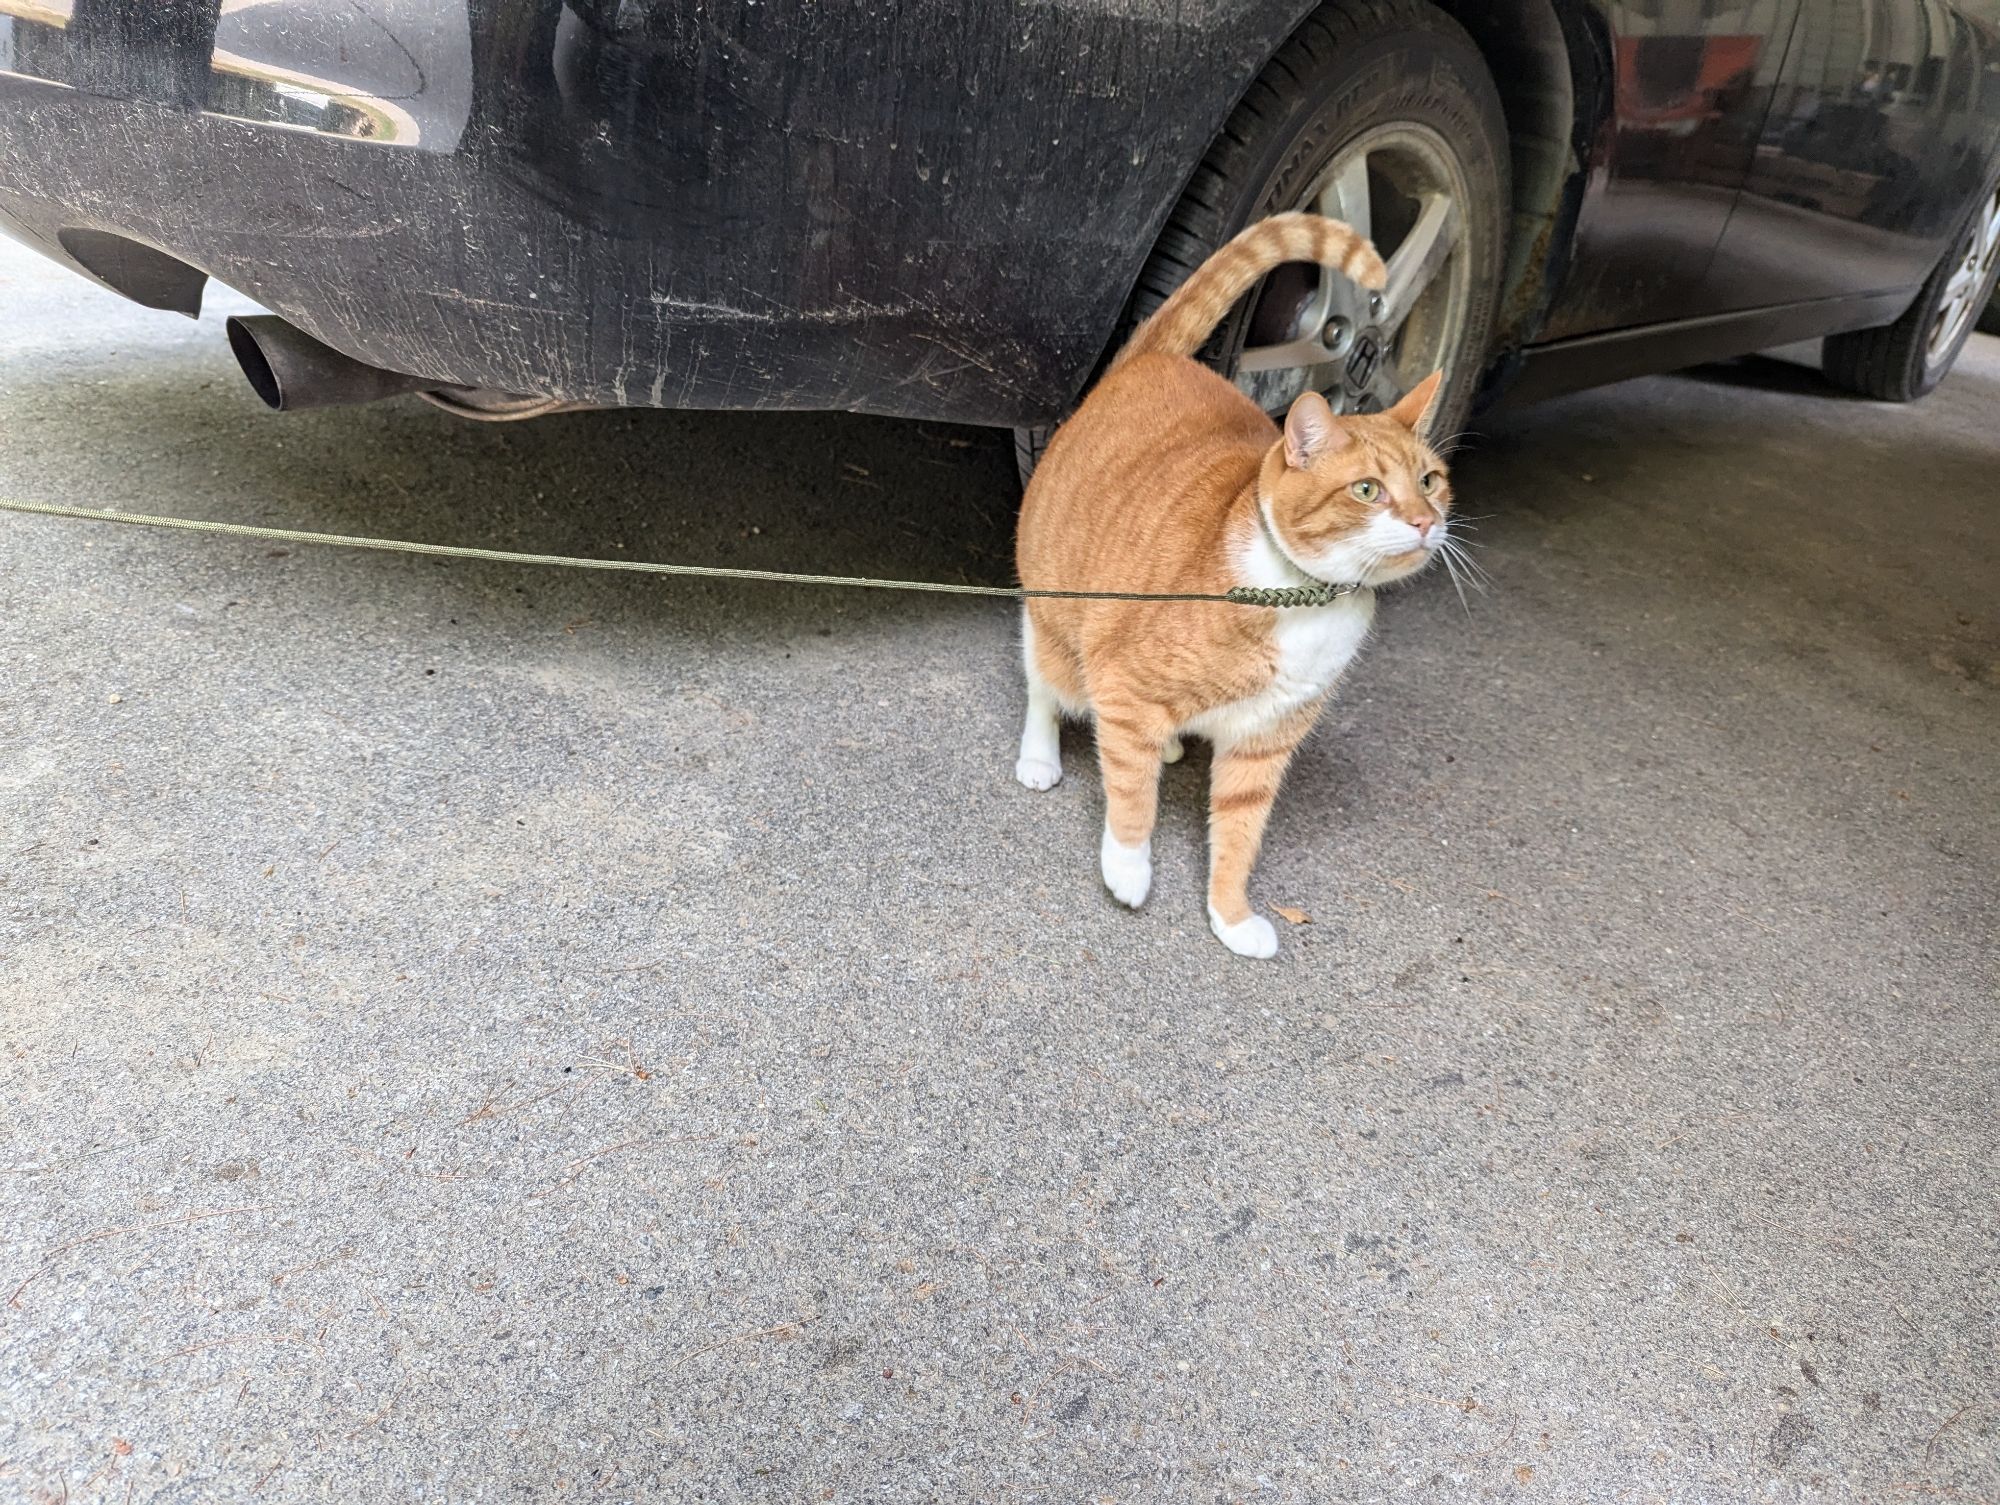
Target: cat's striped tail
pixel 1182 324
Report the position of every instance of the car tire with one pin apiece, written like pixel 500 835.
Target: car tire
pixel 1356 72
pixel 1029 443
pixel 1905 360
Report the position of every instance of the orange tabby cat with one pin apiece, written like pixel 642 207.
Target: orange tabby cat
pixel 1169 479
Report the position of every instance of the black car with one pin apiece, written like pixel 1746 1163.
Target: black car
pixel 951 210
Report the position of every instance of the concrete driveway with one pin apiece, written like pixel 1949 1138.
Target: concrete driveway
pixel 478 1033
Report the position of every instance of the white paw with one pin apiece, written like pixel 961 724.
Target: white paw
pixel 1128 871
pixel 1247 937
pixel 1171 753
pixel 1038 773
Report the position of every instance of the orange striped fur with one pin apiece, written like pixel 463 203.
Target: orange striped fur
pixel 1181 324
pixel 1169 479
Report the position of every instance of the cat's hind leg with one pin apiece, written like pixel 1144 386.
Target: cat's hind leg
pixel 1039 765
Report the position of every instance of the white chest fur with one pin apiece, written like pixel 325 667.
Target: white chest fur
pixel 1315 647
pixel 1315 644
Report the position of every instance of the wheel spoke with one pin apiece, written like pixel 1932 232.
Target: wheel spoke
pixel 1960 285
pixel 1989 235
pixel 1331 295
pixel 1302 352
pixel 1345 196
pixel 1415 263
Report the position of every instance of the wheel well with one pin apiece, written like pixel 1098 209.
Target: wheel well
pixel 1547 69
pixel 1544 86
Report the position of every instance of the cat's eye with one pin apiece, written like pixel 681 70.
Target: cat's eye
pixel 1365 491
pixel 1430 482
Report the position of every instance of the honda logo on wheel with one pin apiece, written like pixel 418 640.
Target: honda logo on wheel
pixel 1366 356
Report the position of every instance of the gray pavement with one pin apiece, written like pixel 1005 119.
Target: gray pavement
pixel 476 1033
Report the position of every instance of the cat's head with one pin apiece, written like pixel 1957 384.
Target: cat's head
pixel 1358 498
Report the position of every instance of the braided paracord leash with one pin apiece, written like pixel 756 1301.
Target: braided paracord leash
pixel 1242 595
pixel 1288 595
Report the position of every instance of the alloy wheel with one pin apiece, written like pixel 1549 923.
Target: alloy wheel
pixel 1968 285
pixel 1312 329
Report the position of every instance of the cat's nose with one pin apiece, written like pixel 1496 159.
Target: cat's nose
pixel 1424 524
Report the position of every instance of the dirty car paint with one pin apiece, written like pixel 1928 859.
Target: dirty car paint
pixel 925 208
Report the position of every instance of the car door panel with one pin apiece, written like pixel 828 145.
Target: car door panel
pixel 1881 132
pixel 1692 81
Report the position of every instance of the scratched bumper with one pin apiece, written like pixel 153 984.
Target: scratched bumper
pixel 455 269
pixel 891 216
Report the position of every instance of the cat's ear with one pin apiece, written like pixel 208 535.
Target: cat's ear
pixel 1413 409
pixel 1311 430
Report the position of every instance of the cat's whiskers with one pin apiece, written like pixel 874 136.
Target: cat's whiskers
pixel 1461 569
pixel 1444 550
pixel 1450 543
pixel 1474 570
pixel 1457 589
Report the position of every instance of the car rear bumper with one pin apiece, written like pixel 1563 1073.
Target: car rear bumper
pixel 451 267
pixel 921 214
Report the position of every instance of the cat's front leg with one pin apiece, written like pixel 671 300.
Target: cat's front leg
pixel 1243 785
pixel 1131 739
